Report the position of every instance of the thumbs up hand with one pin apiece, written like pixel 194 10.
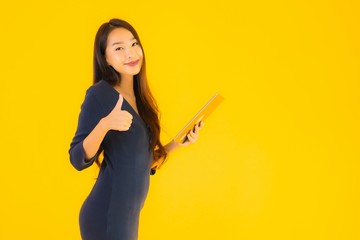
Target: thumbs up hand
pixel 118 119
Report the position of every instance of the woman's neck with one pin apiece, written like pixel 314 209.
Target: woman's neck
pixel 126 86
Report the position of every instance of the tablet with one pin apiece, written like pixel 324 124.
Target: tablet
pixel 200 116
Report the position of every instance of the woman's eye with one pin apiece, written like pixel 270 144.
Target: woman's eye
pixel 135 44
pixel 119 48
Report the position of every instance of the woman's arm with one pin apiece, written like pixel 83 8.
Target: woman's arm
pixel 192 137
pixel 92 128
pixel 116 120
pixel 171 146
pixel 92 142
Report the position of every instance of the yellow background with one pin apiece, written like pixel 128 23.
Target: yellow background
pixel 279 159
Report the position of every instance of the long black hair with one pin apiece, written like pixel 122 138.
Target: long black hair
pixel 145 101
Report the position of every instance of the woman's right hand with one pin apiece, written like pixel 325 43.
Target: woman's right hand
pixel 118 119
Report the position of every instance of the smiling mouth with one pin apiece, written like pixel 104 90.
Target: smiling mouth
pixel 133 63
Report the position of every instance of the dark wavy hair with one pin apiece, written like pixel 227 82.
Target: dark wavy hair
pixel 145 101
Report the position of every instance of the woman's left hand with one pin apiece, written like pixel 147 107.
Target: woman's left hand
pixel 193 135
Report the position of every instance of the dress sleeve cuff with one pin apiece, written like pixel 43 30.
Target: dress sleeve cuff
pixel 78 158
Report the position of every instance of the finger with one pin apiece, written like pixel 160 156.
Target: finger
pixel 190 138
pixel 196 128
pixel 199 126
pixel 125 127
pixel 125 116
pixel 129 115
pixel 119 102
pixel 194 135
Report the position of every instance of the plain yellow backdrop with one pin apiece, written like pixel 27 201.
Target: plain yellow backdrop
pixel 279 159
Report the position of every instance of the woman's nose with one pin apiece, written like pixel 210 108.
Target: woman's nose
pixel 129 53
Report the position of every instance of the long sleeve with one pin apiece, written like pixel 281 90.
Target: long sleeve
pixel 90 115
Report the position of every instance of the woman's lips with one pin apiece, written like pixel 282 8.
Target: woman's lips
pixel 132 64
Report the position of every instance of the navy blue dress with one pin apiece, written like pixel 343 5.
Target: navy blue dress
pixel 112 209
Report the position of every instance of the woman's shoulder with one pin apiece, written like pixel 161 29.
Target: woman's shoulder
pixel 103 92
pixel 101 87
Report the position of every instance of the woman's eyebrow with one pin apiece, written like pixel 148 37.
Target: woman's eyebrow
pixel 122 42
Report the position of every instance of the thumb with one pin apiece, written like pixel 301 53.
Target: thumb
pixel 119 102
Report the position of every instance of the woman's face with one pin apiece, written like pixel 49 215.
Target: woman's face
pixel 123 52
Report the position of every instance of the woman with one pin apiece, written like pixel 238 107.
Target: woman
pixel 119 118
